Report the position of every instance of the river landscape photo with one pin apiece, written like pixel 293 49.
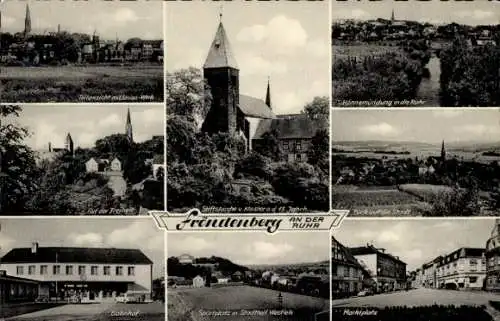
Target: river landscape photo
pixel 430 54
pixel 416 162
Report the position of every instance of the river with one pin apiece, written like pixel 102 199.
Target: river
pixel 429 87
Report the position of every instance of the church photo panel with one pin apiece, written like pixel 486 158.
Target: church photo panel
pixel 81 159
pixel 248 107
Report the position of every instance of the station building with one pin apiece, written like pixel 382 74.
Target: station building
pixel 87 274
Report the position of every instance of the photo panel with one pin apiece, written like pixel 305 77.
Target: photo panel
pixel 415 54
pixel 81 51
pixel 416 162
pixel 248 107
pixel 248 276
pixel 395 273
pixel 84 159
pixel 82 269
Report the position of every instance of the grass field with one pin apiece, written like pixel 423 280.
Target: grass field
pixel 361 50
pixel 201 304
pixel 141 83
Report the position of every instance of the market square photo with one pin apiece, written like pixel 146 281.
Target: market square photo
pixel 247 107
pixel 83 269
pixel 423 53
pixel 248 276
pixel 81 159
pixel 81 51
pixel 414 269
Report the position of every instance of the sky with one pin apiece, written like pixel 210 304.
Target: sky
pixel 87 123
pixel 287 41
pixel 479 12
pixel 417 125
pixel 253 248
pixel 125 19
pixel 416 241
pixel 124 232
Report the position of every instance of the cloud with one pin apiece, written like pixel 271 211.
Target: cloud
pixel 475 14
pixel 270 250
pixel 382 129
pixel 478 129
pixel 253 64
pixel 110 120
pixel 280 35
pixel 318 48
pixel 145 117
pixel 6 242
pixel 125 15
pixel 8 21
pixel 447 113
pixel 134 234
pixel 190 244
pixel 87 239
pixel 351 14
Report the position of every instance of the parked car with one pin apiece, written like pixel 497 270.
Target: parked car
pixel 365 292
pixel 122 298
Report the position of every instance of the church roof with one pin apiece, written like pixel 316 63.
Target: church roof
pixel 220 54
pixel 254 107
pixel 299 126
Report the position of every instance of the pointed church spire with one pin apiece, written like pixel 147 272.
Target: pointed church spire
pixel 220 54
pixel 27 21
pixel 128 128
pixel 69 144
pixel 392 15
pixel 268 94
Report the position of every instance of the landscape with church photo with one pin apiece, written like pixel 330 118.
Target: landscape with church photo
pixel 248 107
pixel 81 51
pixel 81 159
pixel 416 162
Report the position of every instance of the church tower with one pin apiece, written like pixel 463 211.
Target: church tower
pixel 27 21
pixel 443 152
pixel 268 95
pixel 221 73
pixel 128 128
pixel 392 16
pixel 69 144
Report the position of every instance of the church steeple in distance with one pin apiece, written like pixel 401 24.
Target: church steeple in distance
pixel 128 128
pixel 268 94
pixel 27 21
pixel 69 144
pixel 392 16
pixel 443 152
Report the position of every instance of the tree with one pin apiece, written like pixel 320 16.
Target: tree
pixel 318 153
pixel 269 145
pixel 116 144
pixel 318 109
pixel 188 95
pixel 18 164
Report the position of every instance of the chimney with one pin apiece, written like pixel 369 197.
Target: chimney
pixel 34 248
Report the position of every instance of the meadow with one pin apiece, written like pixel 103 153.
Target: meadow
pixel 196 303
pixel 361 50
pixel 94 83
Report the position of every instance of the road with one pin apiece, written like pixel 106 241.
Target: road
pixel 240 303
pixel 98 312
pixel 419 297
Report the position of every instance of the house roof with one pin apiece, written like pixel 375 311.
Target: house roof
pixel 76 255
pixel 220 54
pixel 17 279
pixel 370 249
pixel 255 107
pixel 349 258
pixel 299 126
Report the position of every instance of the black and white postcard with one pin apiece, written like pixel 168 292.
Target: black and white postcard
pixel 248 276
pixel 419 53
pixel 416 162
pixel 248 107
pixel 81 159
pixel 81 51
pixel 85 269
pixel 414 269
